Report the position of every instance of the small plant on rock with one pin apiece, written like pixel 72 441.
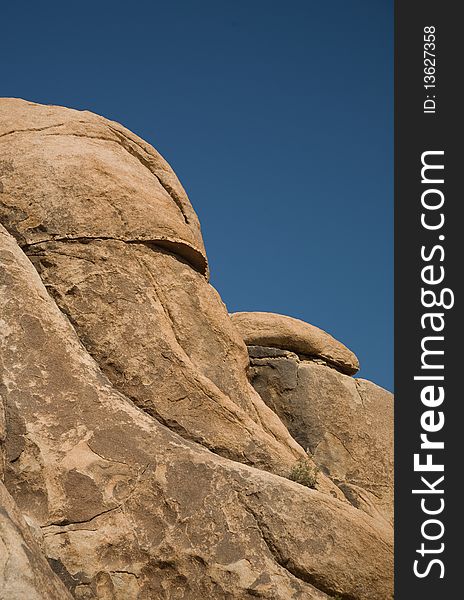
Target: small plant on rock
pixel 304 472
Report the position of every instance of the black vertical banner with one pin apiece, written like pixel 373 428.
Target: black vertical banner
pixel 429 242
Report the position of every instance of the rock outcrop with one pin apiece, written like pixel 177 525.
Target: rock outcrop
pixel 345 424
pixel 143 461
pixel 69 174
pixel 280 331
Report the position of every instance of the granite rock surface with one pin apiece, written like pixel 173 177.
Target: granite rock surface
pixel 138 461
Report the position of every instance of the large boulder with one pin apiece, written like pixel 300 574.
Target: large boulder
pixel 114 237
pixel 130 509
pixel 143 461
pixel 279 331
pixel 70 174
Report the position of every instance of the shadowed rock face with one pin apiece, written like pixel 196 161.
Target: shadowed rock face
pixel 346 424
pixel 145 463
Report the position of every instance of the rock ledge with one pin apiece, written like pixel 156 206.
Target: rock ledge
pixel 287 333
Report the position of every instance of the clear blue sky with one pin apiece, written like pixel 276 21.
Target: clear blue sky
pixel 276 116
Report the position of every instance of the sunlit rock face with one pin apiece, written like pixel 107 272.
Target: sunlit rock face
pixel 137 458
pixel 71 174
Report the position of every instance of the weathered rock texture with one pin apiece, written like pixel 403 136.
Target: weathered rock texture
pixel 69 174
pixel 144 462
pixel 280 331
pixel 24 571
pixel 346 424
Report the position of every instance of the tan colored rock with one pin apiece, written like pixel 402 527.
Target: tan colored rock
pixel 95 207
pixel 162 335
pixel 69 174
pixel 127 406
pixel 130 509
pixel 24 571
pixel 287 333
pixel 346 423
pixel 2 434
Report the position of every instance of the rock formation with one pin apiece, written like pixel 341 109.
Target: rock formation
pixel 344 423
pixel 138 461
pixel 279 331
